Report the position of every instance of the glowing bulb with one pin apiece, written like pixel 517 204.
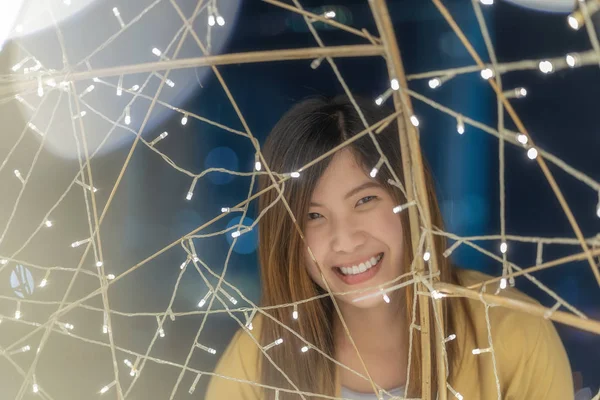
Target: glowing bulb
pixel 487 2
pixel 295 174
pixel 503 283
pixel 220 21
pixel 201 303
pixel 295 315
pixel 395 85
pixel 110 277
pixel 235 234
pixel 330 14
pixel 532 153
pixel 99 264
pixel 156 52
pixel 43 283
pixel 503 247
pixel 17 314
pixel 104 328
pixel 379 101
pixel 48 224
pixel 257 166
pixel 127 116
pixel 35 388
pixel 460 126
pixel 572 60
pixel 522 138
pixel 304 349
pixel 487 73
pixel 435 83
pixel 211 20
pixel 427 256
pixel 184 120
pixel 573 22
pixel 546 67
pixel 520 92
pixel 414 120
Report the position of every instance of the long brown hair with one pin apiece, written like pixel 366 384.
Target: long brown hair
pixel 308 130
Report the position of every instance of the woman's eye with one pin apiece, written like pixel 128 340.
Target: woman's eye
pixel 310 215
pixel 368 199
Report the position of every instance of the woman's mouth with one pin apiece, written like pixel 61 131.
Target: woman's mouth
pixel 353 275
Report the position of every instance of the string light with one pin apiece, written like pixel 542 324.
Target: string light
pixel 517 93
pixel 44 281
pixel 487 73
pixel 414 120
pixel 383 97
pixel 19 177
pixel 295 174
pixel 118 16
pixel 35 387
pixel 110 277
pixel 204 299
pixel 87 90
pixel 190 192
pixel 449 250
pixel 449 338
pixel 532 153
pixel 207 349
pixel 48 223
pixel 135 88
pixel 20 64
pixel 24 102
pixel 437 295
pixel 184 119
pixel 159 138
pixel 546 67
pixel 23 349
pixel 229 297
pixel 257 164
pixel 394 84
pixel 171 315
pixel 18 310
pixel 487 2
pixel 376 168
pixel 454 392
pixel 573 60
pixel 460 125
pixel 480 351
pixel 127 116
pixel 427 256
pixel 316 62
pixel 435 83
pixel 549 312
pixel 193 387
pixel 295 312
pixel 99 264
pixel 85 186
pixel 275 343
pixel 403 207
pixel 132 371
pixel 80 242
pixel 304 349
pixel 386 298
pixel 107 387
pixel 161 331
pixel 522 138
pixel 503 283
pixel 40 89
pixel 105 324
pixel 185 263
pixel 329 14
pixel 169 82
pixel 80 115
pixel 503 247
pixel 120 86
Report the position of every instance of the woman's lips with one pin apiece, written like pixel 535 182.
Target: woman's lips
pixel 359 278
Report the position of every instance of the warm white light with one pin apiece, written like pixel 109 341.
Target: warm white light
pixel 43 283
pixel 220 21
pixel 295 174
pixel 295 314
pixel 546 66
pixel 460 126
pixel 487 73
pixel 110 277
pixel 17 314
pixel 503 247
pixel 395 85
pixel 503 283
pixel 487 2
pixel 386 298
pixel 99 264
pixel 379 101
pixel 257 166
pixel 532 153
pixel 304 349
pixel 184 120
pixel 156 52
pixel 35 388
pixel 435 83
pixel 127 116
pixel 48 223
pixel 572 60
pixel 520 92
pixel 427 256
pixel 211 20
pixel 522 138
pixel 414 120
pixel 573 22
pixel 330 14
pixel 235 234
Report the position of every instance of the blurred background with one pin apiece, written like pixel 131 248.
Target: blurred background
pixel 150 211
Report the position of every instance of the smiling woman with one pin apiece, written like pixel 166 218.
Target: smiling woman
pixel 354 242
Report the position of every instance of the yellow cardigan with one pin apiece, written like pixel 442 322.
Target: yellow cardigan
pixel 530 357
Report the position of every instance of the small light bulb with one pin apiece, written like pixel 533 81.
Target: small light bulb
pixel 304 349
pixel 414 120
pixel 520 92
pixel 330 14
pixel 487 73
pixel 17 314
pixel 35 388
pixel 503 247
pixel 295 314
pixel 156 52
pixel 546 67
pixel 104 328
pixel 295 174
pixel 487 2
pixel 532 153
pixel 395 85
pixel 435 83
pixel 373 173
pixel 99 264
pixel 503 283
pixel 211 20
pixel 522 138
pixel 189 195
pixel 184 120
pixel 201 303
pixel 460 127
pixel 235 234
pixel 43 283
pixel 572 60
pixel 257 166
pixel 48 224
pixel 220 21
pixel 427 256
pixel 386 298
pixel 379 101
pixel 573 22
pixel 110 277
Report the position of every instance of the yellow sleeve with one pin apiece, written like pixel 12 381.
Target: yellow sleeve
pixel 547 372
pixel 238 362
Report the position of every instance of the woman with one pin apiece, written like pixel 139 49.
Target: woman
pixel 347 221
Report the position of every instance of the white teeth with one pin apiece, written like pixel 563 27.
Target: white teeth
pixel 362 267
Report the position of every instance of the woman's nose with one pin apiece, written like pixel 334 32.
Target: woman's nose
pixel 346 236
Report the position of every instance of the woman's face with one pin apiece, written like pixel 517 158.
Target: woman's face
pixel 350 222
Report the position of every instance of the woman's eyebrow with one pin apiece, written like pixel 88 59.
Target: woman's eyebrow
pixel 366 185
